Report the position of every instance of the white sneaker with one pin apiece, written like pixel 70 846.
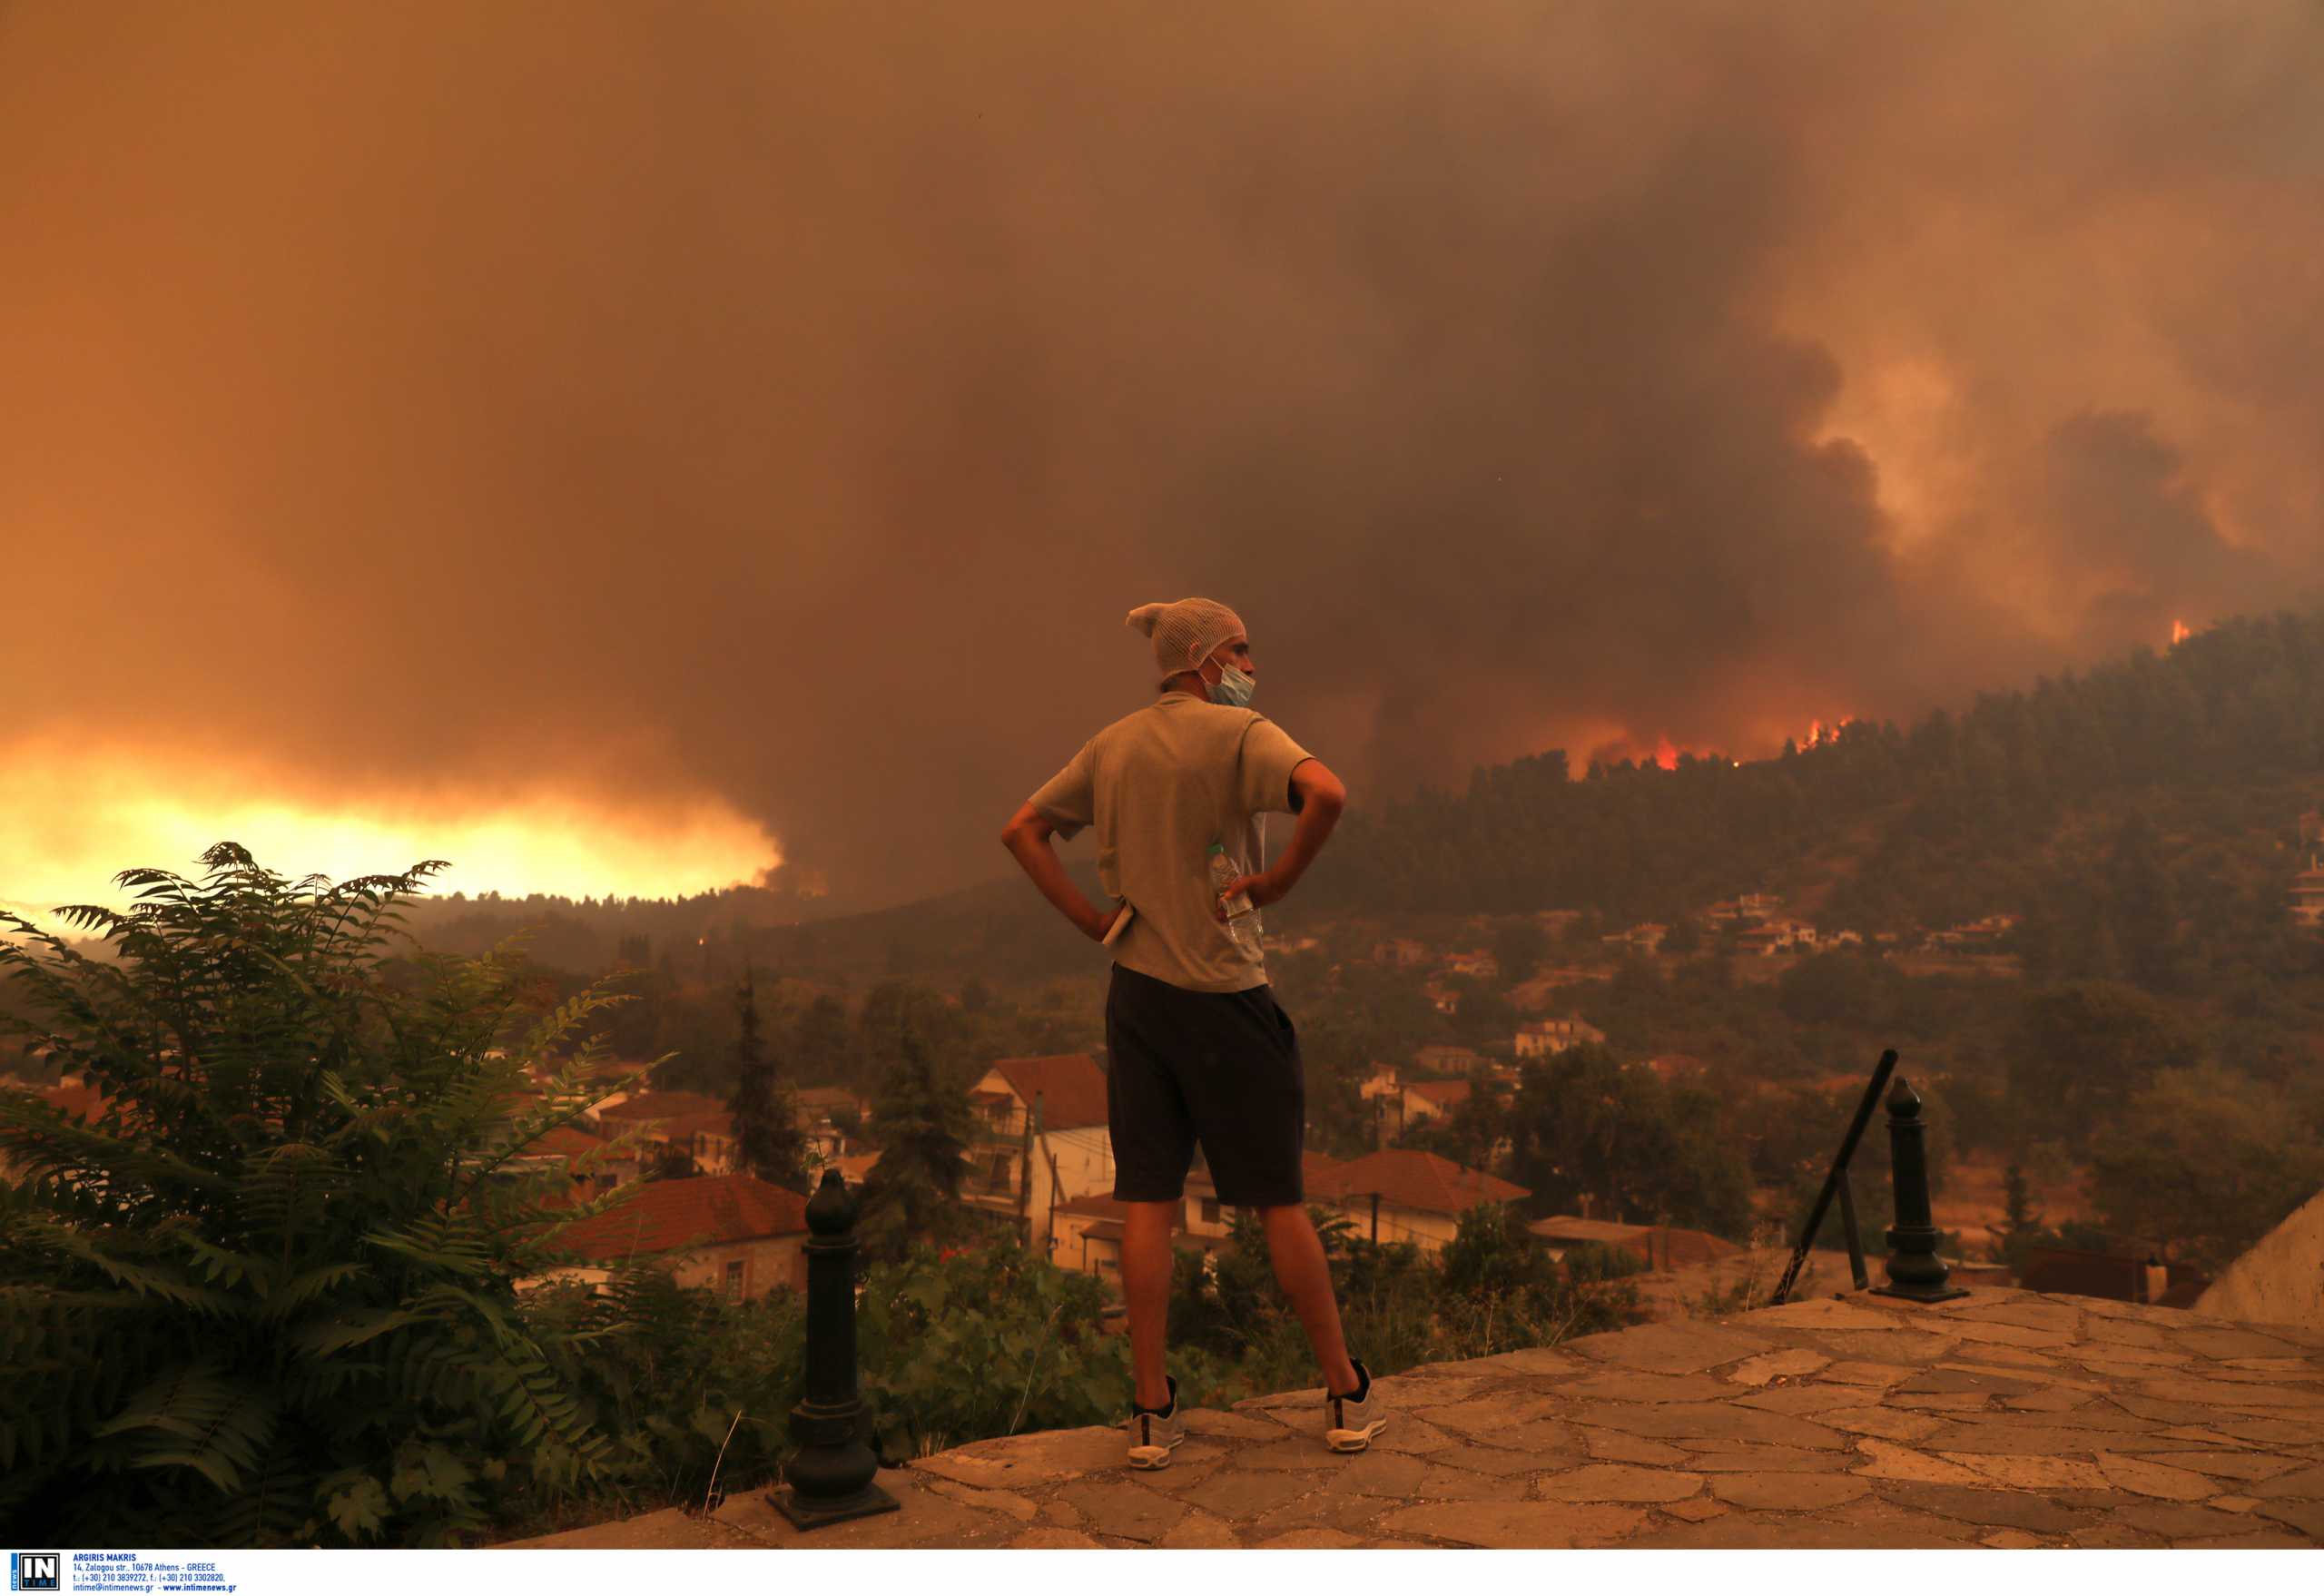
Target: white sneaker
pixel 1152 1435
pixel 1349 1425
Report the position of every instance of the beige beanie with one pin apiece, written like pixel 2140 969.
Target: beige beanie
pixel 1184 633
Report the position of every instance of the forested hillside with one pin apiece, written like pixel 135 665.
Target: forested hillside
pixel 1945 820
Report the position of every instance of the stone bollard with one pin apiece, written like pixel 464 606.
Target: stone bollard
pixel 1914 1271
pixel 830 1480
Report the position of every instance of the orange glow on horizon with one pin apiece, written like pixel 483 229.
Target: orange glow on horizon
pixel 69 824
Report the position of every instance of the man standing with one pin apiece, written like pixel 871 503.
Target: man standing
pixel 1197 1047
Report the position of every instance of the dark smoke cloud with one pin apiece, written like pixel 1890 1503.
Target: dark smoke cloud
pixel 787 402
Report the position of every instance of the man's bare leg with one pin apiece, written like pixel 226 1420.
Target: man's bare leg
pixel 1305 1276
pixel 1145 1283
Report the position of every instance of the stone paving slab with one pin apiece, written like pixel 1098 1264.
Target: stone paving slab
pixel 2002 1419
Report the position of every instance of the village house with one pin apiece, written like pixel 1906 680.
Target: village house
pixel 823 1112
pixel 1976 936
pixel 1402 952
pixel 1480 965
pixel 732 1233
pixel 1402 1194
pixel 1087 1232
pixel 1748 909
pixel 1399 1102
pixel 1441 997
pixel 1429 1099
pixel 2307 896
pixel 1538 1039
pixel 1041 1139
pixel 1645 938
pixel 700 1125
pixel 1447 1059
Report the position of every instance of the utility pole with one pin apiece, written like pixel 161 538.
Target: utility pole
pixel 1024 1173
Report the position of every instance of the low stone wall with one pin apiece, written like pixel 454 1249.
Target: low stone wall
pixel 2281 1281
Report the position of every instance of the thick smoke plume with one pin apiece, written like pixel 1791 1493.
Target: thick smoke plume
pixel 782 405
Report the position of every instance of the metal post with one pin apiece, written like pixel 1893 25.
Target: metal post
pixel 1914 1271
pixel 1835 1181
pixel 1856 1233
pixel 830 1480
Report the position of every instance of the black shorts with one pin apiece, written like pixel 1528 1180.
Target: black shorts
pixel 1218 1067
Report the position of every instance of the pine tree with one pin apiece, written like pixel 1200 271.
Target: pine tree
pixel 924 1123
pixel 766 1114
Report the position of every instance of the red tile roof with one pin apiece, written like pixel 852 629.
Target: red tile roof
pixel 701 1210
pixel 1683 1249
pixel 564 1141
pixel 1098 1206
pixel 85 1102
pixel 1660 1245
pixel 1411 1178
pixel 661 1106
pixel 1071 1087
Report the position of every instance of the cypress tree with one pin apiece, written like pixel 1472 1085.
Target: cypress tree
pixel 766 1114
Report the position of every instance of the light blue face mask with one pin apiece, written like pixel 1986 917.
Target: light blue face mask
pixel 1232 687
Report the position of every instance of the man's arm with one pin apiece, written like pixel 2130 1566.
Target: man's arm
pixel 1318 799
pixel 1026 835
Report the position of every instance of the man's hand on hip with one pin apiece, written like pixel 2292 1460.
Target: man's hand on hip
pixel 1264 887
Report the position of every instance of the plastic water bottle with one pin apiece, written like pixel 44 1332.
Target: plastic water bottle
pixel 1242 914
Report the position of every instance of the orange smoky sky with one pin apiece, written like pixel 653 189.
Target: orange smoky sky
pixel 624 449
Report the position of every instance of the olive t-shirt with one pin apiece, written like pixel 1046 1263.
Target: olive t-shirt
pixel 1161 785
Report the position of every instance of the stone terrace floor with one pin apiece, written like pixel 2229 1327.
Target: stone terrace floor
pixel 2006 1418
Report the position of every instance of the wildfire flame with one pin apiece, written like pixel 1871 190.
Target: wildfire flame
pixel 2178 633
pixel 1819 733
pixel 1664 754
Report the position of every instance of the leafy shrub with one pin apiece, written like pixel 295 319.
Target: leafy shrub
pixel 958 1346
pixel 1591 1261
pixel 691 1387
pixel 1489 1291
pixel 268 1296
